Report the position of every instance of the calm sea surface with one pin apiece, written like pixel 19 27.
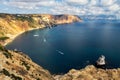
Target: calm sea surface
pixel 71 45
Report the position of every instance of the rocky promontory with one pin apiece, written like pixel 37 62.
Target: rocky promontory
pixel 12 25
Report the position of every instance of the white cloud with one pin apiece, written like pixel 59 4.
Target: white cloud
pixel 93 2
pixel 47 3
pixel 114 7
pixel 81 2
pixel 107 2
pixel 30 5
pixel 79 7
pixel 22 5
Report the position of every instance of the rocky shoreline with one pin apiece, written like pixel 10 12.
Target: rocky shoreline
pixel 16 35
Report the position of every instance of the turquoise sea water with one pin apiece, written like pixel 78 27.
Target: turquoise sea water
pixel 71 45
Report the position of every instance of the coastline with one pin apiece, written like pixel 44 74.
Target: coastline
pixel 27 22
pixel 12 37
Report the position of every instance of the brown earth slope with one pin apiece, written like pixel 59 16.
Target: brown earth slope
pixel 15 65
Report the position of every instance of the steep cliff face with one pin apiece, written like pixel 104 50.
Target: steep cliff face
pixel 60 19
pixel 15 65
pixel 14 24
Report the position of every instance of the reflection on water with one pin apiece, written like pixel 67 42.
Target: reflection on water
pixel 71 45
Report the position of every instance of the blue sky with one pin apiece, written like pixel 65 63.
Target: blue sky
pixel 77 7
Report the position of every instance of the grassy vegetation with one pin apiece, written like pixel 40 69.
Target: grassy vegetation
pixel 4 38
pixel 31 21
pixel 1 48
pixel 15 77
pixel 3 15
pixel 1 31
pixel 38 79
pixel 7 55
pixel 6 72
pixel 24 18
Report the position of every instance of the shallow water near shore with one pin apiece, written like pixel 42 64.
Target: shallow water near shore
pixel 71 45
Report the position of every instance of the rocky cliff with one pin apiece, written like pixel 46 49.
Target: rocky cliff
pixel 63 19
pixel 90 73
pixel 15 65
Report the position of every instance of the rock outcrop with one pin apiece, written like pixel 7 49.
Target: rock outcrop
pixel 90 73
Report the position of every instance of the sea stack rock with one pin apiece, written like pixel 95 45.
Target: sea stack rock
pixel 101 61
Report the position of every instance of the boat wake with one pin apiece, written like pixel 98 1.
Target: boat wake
pixel 44 40
pixel 60 52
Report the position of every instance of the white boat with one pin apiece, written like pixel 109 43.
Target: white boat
pixel 35 35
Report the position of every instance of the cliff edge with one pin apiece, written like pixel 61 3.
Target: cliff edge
pixel 15 65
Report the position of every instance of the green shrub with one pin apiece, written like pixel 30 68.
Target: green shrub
pixel 24 18
pixel 7 55
pixel 4 38
pixel 15 77
pixel 38 79
pixel 26 65
pixel 5 72
pixel 2 48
